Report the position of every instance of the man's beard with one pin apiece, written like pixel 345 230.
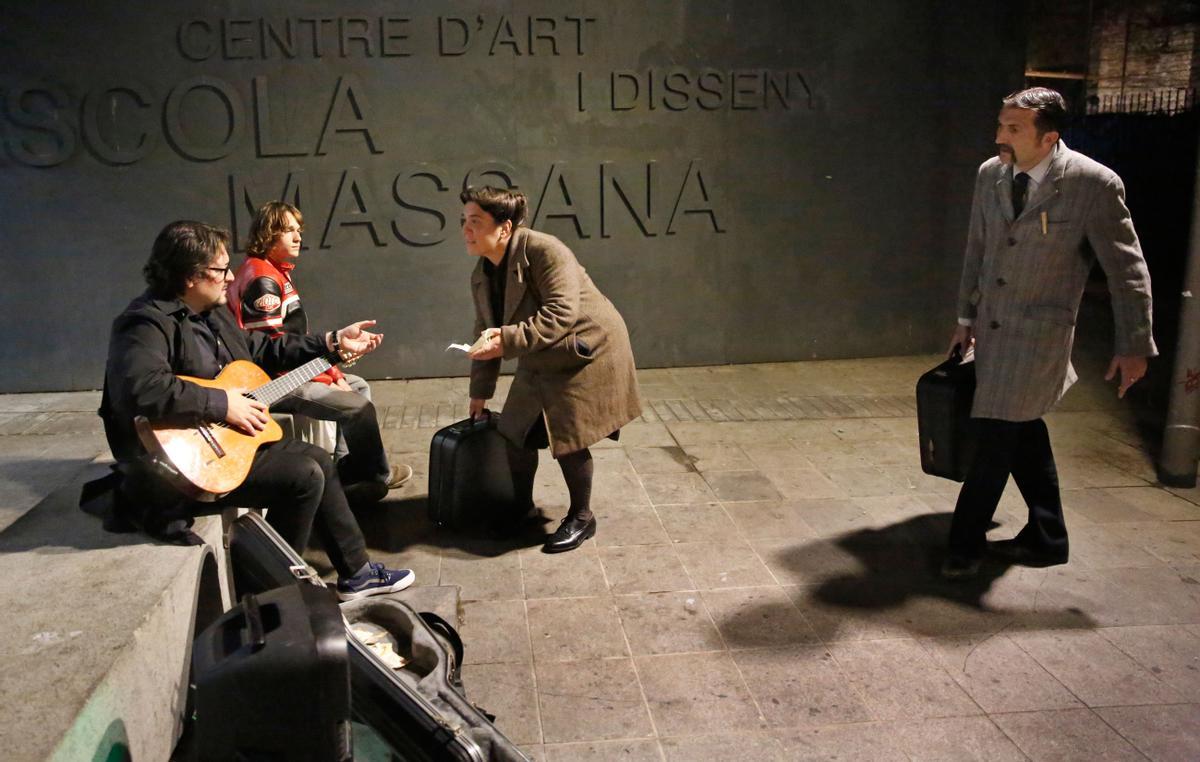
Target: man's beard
pixel 1006 154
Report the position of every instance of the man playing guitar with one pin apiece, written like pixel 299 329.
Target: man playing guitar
pixel 180 327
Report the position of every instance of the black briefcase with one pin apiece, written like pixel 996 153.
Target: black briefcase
pixel 944 396
pixel 271 680
pixel 469 477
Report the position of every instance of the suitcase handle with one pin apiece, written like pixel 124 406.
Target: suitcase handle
pixel 485 421
pixel 250 609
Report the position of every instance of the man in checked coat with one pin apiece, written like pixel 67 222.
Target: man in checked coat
pixel 1041 215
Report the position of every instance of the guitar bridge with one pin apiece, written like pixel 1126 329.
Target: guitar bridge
pixel 211 440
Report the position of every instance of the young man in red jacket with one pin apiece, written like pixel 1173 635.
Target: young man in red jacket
pixel 264 298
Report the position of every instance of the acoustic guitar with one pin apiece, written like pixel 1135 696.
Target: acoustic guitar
pixel 211 460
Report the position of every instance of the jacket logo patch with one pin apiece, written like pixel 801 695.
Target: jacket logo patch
pixel 267 303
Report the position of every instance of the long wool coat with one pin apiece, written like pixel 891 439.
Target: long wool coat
pixel 574 360
pixel 1022 282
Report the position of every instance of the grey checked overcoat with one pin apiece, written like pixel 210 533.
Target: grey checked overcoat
pixel 1023 280
pixel 574 360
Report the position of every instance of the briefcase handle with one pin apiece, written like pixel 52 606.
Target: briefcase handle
pixel 957 355
pixel 488 420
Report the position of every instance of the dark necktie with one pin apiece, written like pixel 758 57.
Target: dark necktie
pixel 1020 185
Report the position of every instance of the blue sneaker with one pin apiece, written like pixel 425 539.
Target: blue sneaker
pixel 377 581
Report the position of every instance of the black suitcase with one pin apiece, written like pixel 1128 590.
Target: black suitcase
pixel 944 397
pixel 271 680
pixel 469 478
pixel 417 713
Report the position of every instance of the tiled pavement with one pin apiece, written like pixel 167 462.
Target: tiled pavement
pixel 762 584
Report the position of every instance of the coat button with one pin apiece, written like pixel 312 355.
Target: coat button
pixel 995 324
pixel 1012 241
pixel 1001 282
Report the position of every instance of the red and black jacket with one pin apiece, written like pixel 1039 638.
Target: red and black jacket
pixel 263 298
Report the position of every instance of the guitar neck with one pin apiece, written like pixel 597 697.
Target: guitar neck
pixel 273 391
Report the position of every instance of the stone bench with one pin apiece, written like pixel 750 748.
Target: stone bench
pixel 96 632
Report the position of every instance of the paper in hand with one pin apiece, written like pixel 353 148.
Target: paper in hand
pixel 468 348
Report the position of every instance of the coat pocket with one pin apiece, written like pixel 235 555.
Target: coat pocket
pixel 568 353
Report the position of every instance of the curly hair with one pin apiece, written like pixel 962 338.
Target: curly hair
pixel 501 203
pixel 181 251
pixel 269 223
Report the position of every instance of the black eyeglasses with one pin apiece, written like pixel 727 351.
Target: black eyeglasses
pixel 223 270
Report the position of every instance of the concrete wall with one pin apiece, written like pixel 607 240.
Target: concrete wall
pixel 748 181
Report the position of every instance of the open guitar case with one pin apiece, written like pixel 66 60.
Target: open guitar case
pixel 417 712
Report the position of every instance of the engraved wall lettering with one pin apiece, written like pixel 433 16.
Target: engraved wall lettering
pixel 195 40
pixel 248 193
pixel 393 37
pixel 636 196
pixel 557 202
pixel 266 141
pixel 454 35
pixel 745 90
pixel 354 206
pixel 39 134
pixel 178 134
pixel 417 224
pixel 125 114
pixel 677 85
pixel 237 38
pixel 316 27
pixel 625 87
pixel 580 23
pixel 274 40
pixel 355 29
pixel 680 89
pixel 536 34
pixel 694 199
pixel 505 36
pixel 348 113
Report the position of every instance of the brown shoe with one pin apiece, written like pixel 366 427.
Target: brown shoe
pixel 399 475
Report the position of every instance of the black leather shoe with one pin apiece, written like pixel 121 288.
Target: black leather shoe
pixel 570 535
pixel 1017 551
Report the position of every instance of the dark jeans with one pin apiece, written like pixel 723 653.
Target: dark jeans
pixel 357 423
pixel 1020 448
pixel 299 487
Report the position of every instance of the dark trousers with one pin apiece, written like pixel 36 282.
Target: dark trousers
pixel 357 423
pixel 299 487
pixel 1020 448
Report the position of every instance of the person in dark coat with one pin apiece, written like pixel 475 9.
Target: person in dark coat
pixel 180 327
pixel 575 382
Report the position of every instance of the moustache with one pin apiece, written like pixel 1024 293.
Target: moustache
pixel 1004 147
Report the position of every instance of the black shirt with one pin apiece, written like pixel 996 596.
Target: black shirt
pixel 211 353
pixel 497 276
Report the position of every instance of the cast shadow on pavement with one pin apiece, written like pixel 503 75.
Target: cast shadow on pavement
pixel 394 525
pixel 885 582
